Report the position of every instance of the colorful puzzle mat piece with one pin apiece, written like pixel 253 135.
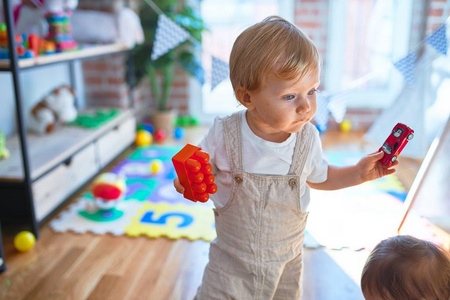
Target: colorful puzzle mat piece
pixel 174 222
pixel 359 217
pixel 151 206
pixel 74 221
pixel 390 184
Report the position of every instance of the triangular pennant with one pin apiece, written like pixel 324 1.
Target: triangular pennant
pixel 406 66
pixel 168 36
pixel 338 106
pixel 438 39
pixel 322 113
pixel 220 71
pixel 195 68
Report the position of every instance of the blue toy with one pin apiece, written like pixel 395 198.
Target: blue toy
pixel 179 133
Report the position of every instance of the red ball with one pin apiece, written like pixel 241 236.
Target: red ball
pixel 160 135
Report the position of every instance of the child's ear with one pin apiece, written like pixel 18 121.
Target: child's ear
pixel 244 97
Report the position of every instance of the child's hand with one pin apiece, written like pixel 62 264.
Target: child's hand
pixel 371 169
pixel 178 186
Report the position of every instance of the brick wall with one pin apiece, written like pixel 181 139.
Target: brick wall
pixel 438 12
pixel 311 16
pixel 105 78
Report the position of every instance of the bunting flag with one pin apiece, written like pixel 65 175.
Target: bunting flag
pixel 406 66
pixel 196 69
pixel 322 113
pixel 338 106
pixel 438 39
pixel 168 36
pixel 220 71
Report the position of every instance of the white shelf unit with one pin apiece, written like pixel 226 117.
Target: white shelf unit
pixel 64 160
pixel 83 53
pixel 43 171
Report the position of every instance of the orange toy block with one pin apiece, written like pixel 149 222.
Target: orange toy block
pixel 195 173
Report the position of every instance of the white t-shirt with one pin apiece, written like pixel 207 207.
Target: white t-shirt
pixel 260 157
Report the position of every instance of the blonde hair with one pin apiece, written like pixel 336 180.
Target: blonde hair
pixel 272 47
pixel 404 267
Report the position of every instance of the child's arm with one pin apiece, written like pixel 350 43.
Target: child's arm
pixel 367 169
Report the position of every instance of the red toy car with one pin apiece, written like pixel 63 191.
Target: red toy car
pixel 395 143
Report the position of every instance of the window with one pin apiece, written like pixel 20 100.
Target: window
pixel 226 20
pixel 364 38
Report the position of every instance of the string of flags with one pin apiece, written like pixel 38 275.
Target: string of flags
pixel 336 104
pixel 169 35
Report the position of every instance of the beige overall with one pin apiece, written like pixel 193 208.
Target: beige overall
pixel 260 231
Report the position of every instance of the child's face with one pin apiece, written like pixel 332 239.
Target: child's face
pixel 281 107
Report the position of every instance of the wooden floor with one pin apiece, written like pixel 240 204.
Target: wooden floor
pixel 87 266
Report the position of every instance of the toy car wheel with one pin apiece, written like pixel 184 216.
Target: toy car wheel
pixel 410 136
pixel 394 158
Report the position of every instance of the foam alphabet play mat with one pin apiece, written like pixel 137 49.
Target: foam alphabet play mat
pixel 150 205
pixel 356 218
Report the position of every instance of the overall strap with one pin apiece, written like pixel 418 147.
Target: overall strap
pixel 301 150
pixel 233 140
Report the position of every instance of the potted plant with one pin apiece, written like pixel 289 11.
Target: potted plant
pixel 188 18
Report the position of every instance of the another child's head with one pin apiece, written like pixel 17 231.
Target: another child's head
pixel 404 267
pixel 271 60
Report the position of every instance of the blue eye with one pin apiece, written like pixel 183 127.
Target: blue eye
pixel 288 97
pixel 313 91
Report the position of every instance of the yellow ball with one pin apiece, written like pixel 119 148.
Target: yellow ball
pixel 143 138
pixel 24 241
pixel 156 166
pixel 346 125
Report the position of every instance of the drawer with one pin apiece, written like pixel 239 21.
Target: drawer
pixel 115 141
pixel 52 189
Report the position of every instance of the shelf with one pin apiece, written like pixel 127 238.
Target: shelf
pixel 86 52
pixel 48 151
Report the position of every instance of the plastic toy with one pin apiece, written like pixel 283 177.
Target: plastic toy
pixel 108 189
pixel 185 121
pixel 345 125
pixel 321 128
pixel 3 36
pixel 143 138
pixel 20 42
pixel 179 133
pixel 4 153
pixel 395 142
pixel 195 173
pixel 95 118
pixel 24 241
pixel 156 166
pixel 160 136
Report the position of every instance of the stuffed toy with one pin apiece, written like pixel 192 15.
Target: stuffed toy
pixel 56 108
pixel 4 153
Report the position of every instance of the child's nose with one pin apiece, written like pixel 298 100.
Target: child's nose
pixel 304 106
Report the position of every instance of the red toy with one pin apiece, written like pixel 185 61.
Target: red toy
pixel 194 172
pixel 395 143
pixel 160 136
